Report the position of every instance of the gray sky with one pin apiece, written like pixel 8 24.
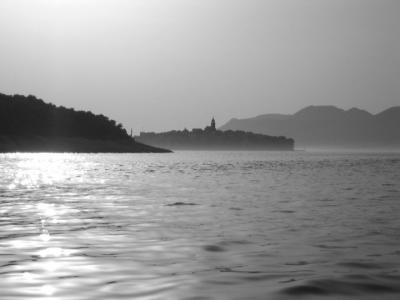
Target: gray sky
pixel 168 64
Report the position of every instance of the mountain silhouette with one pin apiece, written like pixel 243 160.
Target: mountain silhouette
pixel 328 126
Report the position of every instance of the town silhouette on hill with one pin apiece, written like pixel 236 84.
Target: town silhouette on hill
pixel 210 138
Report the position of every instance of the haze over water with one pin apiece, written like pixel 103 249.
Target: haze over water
pixel 200 225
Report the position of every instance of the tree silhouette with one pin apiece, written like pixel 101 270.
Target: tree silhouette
pixel 29 116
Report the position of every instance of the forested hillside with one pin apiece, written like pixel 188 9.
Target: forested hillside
pixel 21 115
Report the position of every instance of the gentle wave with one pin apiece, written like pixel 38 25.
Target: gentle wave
pixel 199 225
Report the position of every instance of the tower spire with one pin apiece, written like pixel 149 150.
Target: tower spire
pixel 213 123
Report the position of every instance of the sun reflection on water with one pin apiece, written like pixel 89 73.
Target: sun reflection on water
pixel 55 252
pixel 45 236
pixel 48 289
pixel 36 177
pixel 34 170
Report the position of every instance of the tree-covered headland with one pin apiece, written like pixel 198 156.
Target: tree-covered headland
pixel 30 124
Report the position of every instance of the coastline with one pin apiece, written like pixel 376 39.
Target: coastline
pixel 227 148
pixel 73 144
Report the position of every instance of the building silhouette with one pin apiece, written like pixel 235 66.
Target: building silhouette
pixel 211 127
pixel 210 138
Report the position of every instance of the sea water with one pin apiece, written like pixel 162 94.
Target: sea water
pixel 200 225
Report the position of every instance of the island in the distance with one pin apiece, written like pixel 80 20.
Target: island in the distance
pixel 28 124
pixel 210 138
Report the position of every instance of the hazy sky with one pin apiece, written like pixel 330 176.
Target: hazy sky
pixel 169 64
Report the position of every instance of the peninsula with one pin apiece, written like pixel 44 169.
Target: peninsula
pixel 28 124
pixel 210 138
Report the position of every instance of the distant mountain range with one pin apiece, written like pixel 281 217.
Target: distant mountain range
pixel 328 126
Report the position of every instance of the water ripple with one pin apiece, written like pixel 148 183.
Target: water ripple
pixel 199 225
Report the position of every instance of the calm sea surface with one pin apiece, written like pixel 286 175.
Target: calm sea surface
pixel 200 225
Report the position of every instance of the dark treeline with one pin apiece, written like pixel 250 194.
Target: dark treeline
pixel 29 116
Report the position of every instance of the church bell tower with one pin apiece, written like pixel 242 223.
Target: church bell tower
pixel 213 124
